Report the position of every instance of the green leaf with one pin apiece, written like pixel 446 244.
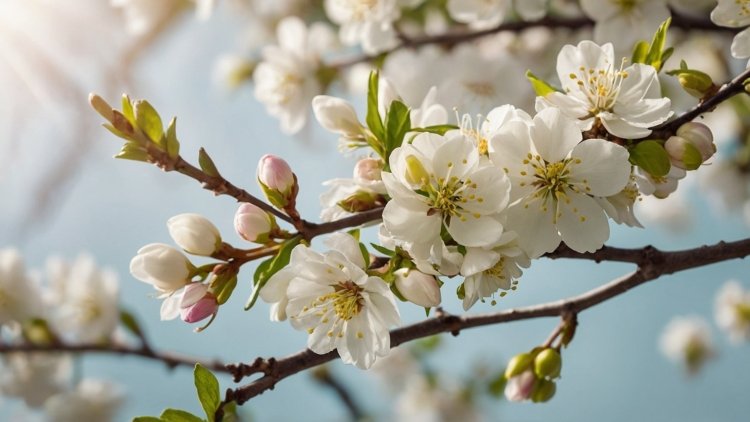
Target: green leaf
pixel 397 123
pixel 128 321
pixel 224 292
pixel 651 157
pixel 147 419
pixel 115 132
pixel 207 164
pixel 655 56
pixel 148 120
pixel 438 129
pixel 270 267
pixel 385 251
pixel 373 119
pixel 207 387
pixel 127 109
pixel 640 51
pixel 542 88
pixel 365 254
pixel 173 145
pixel 177 415
pixel 132 151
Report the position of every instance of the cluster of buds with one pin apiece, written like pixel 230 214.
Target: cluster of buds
pixel 530 376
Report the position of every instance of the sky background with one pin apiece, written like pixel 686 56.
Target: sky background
pixel 612 371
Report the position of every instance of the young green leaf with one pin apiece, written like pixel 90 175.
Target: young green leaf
pixel 207 387
pixel 207 164
pixel 385 251
pixel 148 120
pixel 128 321
pixel 437 129
pixel 365 253
pixel 542 88
pixel 373 119
pixel 640 52
pixel 651 157
pixel 177 415
pixel 655 55
pixel 270 267
pixel 147 419
pixel 173 145
pixel 224 292
pixel 397 123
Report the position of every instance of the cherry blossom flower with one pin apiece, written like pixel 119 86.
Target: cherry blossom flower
pixel 735 14
pixel 330 296
pixel 21 296
pixel 555 178
pixel 437 181
pixel 625 22
pixel 35 377
pixel 732 310
pixel 687 340
pixel 627 101
pixel 91 400
pixel 368 23
pixel 478 14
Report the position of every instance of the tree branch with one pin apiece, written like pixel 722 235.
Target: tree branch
pixel 452 38
pixel 171 360
pixel 652 263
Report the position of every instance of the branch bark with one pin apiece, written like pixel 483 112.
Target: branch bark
pixel 652 264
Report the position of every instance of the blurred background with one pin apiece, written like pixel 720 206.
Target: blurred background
pixel 63 194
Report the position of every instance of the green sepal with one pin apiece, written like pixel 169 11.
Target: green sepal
pixel 268 268
pixel 148 120
pixel 132 151
pixel 128 320
pixel 207 164
pixel 223 289
pixel 541 88
pixel 127 109
pixel 397 293
pixel 354 233
pixel 691 158
pixel 382 249
pixel 365 254
pixel 461 291
pixel 207 388
pixel 650 156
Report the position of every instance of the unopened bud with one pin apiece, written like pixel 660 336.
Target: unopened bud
pixel 194 234
pixel 418 288
pixel 520 387
pixel 276 179
pixel 548 363
pixel 253 224
pixel 682 153
pixel 544 390
pixel 696 83
pixel 368 169
pixel 361 201
pixel 102 107
pixel 518 364
pixel 700 136
pixel 337 115
pixel 197 303
pixel 415 171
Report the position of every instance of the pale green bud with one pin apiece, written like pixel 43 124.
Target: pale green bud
pixel 518 364
pixel 548 363
pixel 544 390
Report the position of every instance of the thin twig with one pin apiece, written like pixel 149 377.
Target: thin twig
pixel 323 375
pixel 653 264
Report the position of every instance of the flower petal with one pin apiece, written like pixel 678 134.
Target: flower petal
pixel 582 223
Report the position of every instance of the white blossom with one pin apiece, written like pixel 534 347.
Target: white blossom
pixel 687 340
pixel 478 14
pixel 627 101
pixel 735 14
pixel 194 233
pixel 35 377
pixel 620 207
pixel 91 400
pixel 625 22
pixel 331 297
pixel 20 296
pixel 285 80
pixel 732 310
pixel 489 269
pixel 168 270
pixel 437 401
pixel 555 178
pixel 368 23
pixel 87 300
pixel 435 181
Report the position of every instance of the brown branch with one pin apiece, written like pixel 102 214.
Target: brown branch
pixel 727 91
pixel 653 263
pixel 170 359
pixel 452 38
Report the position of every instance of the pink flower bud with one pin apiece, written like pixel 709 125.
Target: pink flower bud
pixel 368 169
pixel 275 173
pixel 520 387
pixel 253 224
pixel 197 303
pixel 418 288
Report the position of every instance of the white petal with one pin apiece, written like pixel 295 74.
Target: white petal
pixel 741 44
pixel 477 260
pixel 413 226
pixel 347 245
pixel 535 227
pixel 554 134
pixel 469 230
pixel 604 167
pixel 170 307
pixel 582 223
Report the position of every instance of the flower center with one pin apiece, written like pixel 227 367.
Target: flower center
pixel 550 179
pixel 286 88
pixel 626 5
pixel 497 270
pixel 601 87
pixel 346 301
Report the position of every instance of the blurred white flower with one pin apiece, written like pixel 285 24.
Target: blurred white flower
pixel 439 401
pixel 368 23
pixel 91 400
pixel 531 10
pixel 625 22
pixel 331 297
pixel 35 377
pixel 735 14
pixel 555 178
pixel 20 296
pixel 627 101
pixel 687 341
pixel 732 311
pixel 478 14
pixel 86 300
pixel 285 80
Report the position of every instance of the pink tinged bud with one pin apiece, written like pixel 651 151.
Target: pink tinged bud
pixel 418 288
pixel 337 115
pixel 368 169
pixel 194 234
pixel 197 303
pixel 700 136
pixel 253 224
pixel 163 266
pixel 520 387
pixel 274 173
